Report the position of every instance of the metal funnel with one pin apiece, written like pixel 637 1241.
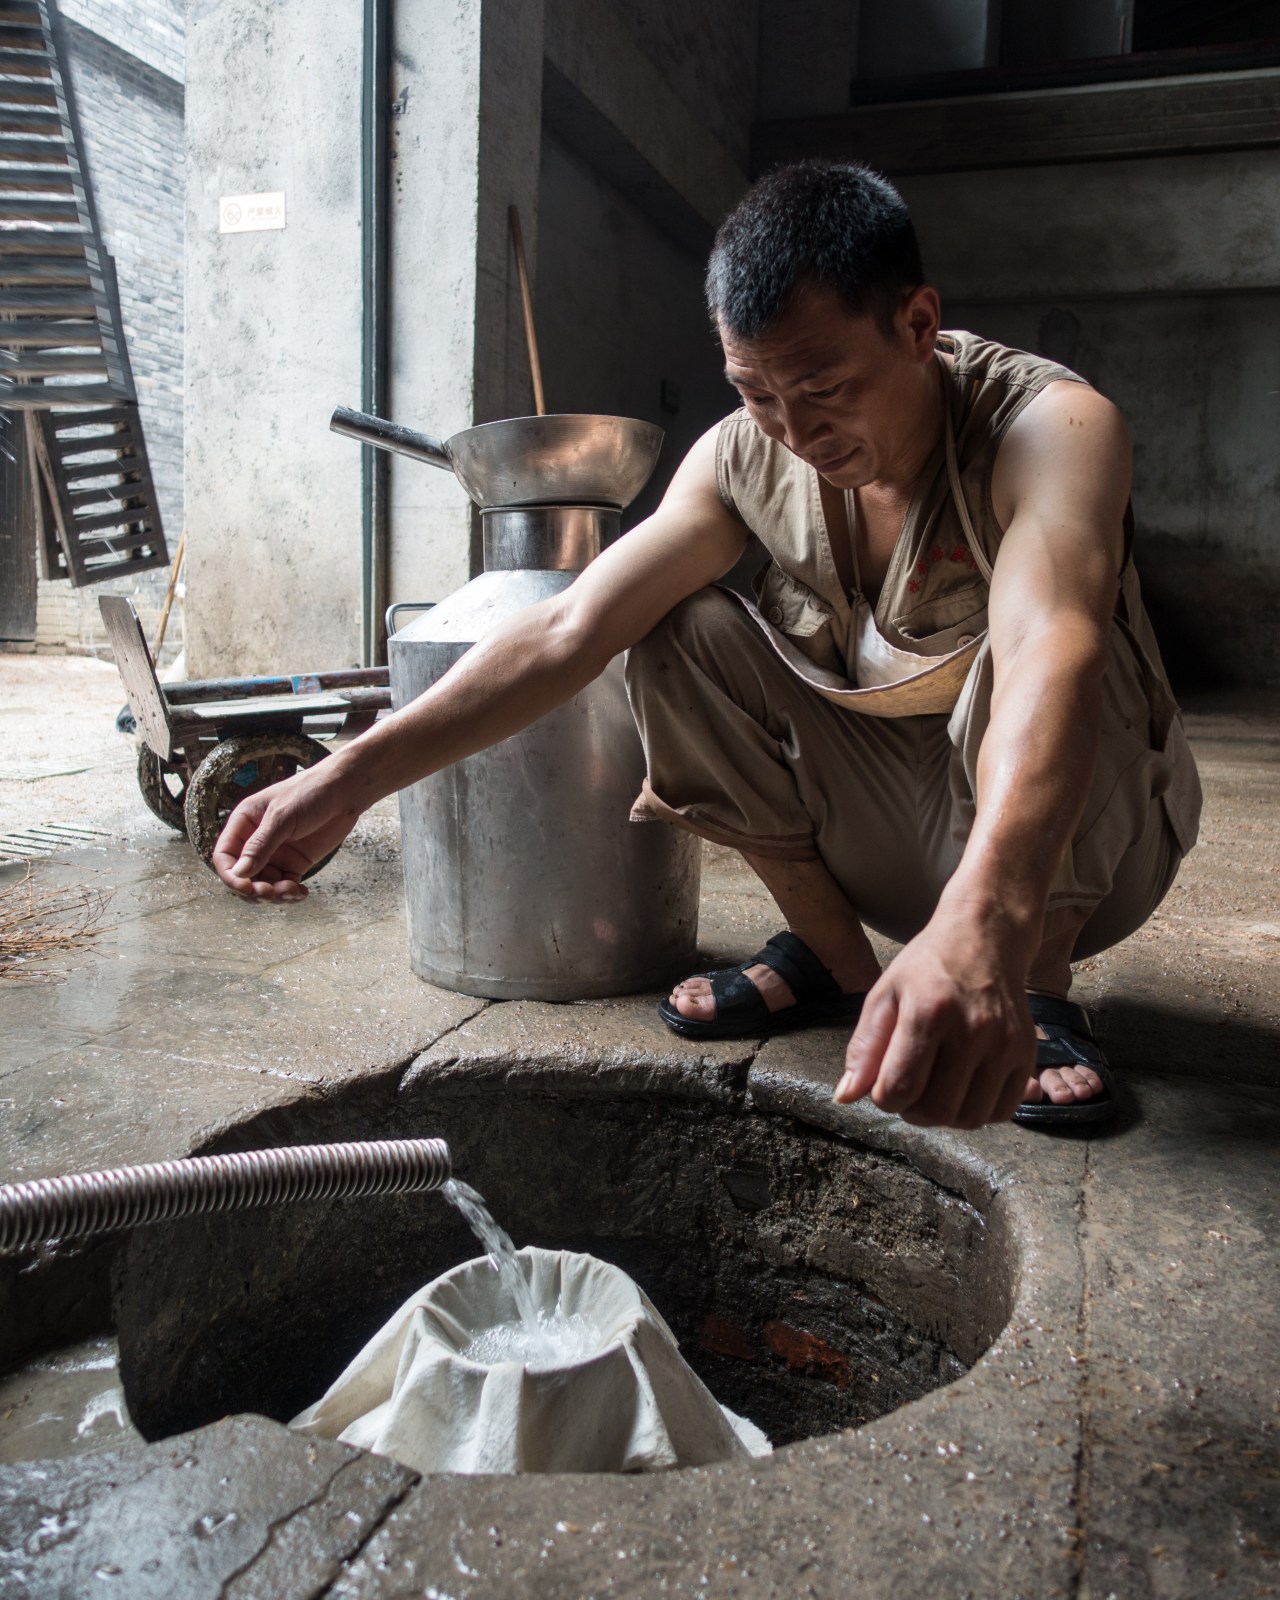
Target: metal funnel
pixel 568 459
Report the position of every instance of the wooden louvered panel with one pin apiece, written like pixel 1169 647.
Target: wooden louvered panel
pixel 78 454
pixel 87 474
pixel 28 273
pixel 50 335
pixel 62 349
pixel 19 64
pixel 35 396
pixel 31 365
pixel 46 179
pixel 96 544
pixel 86 499
pixel 53 264
pixel 25 207
pixel 27 92
pixel 53 301
pixel 20 119
pixel 39 150
pixel 42 243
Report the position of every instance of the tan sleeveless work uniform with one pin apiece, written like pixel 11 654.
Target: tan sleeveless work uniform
pixel 818 726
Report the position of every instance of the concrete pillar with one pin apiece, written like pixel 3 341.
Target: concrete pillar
pixel 467 97
pixel 272 338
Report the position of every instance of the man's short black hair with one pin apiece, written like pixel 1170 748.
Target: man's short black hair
pixel 833 223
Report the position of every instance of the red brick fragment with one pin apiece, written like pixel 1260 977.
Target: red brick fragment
pixel 805 1352
pixel 725 1338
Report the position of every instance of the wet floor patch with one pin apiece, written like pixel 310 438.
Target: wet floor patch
pixel 67 1403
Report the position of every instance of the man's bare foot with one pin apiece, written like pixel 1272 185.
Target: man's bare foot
pixel 1063 1086
pixel 693 998
pixel 854 974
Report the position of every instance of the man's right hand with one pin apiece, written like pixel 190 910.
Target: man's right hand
pixel 272 839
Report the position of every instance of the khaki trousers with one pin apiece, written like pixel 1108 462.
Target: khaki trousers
pixel 741 751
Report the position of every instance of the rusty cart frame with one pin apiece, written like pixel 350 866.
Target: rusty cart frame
pixel 206 745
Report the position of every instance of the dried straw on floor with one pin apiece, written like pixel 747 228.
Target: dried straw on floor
pixel 36 926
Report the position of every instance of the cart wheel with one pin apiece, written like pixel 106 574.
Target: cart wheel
pixel 164 787
pixel 235 769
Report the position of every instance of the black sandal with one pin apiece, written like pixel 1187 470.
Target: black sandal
pixel 1070 1044
pixel 741 1012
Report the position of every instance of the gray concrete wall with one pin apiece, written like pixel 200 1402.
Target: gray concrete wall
pixel 807 55
pixel 1198 378
pixel 1159 280
pixel 620 313
pixel 707 53
pixel 467 82
pixel 1179 224
pixel 152 31
pixel 273 338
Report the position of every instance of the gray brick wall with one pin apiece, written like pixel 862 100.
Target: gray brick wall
pixel 151 30
pixel 126 64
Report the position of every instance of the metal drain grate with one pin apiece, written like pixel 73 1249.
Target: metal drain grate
pixel 27 844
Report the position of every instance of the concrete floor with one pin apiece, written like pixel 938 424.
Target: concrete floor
pixel 1121 1437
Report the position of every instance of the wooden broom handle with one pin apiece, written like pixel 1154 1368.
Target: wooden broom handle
pixel 526 301
pixel 168 594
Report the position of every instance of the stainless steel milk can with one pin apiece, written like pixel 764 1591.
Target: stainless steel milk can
pixel 524 878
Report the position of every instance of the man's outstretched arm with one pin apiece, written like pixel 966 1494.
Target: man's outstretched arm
pixel 522 669
pixel 945 1036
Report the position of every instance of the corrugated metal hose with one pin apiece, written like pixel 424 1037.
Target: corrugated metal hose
pixel 125 1197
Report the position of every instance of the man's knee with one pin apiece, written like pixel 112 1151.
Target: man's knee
pixel 701 630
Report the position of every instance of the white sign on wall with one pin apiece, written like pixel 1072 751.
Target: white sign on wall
pixel 250 213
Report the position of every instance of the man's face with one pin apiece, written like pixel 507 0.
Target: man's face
pixel 836 389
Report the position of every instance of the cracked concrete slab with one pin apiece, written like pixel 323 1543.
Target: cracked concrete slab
pixel 243 1509
pixel 1182 1325
pixel 622 1039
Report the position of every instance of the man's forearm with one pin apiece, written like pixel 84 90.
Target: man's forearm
pixel 1035 767
pixel 524 668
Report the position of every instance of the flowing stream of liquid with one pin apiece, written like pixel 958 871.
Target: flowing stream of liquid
pixel 497 1243
pixel 540 1338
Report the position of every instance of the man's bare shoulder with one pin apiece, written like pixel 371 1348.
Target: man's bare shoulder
pixel 1068 440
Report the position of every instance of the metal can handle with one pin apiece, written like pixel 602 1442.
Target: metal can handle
pixel 384 435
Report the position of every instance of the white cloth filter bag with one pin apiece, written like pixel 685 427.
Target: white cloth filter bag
pixel 633 1405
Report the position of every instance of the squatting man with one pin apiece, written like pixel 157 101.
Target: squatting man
pixel 945 718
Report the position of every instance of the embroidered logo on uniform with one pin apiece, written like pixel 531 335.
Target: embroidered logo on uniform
pixel 959 553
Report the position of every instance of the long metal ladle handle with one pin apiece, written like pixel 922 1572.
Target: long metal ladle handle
pixel 384 435
pixel 100 1202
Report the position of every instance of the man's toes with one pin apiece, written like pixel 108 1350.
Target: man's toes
pixel 693 999
pixel 1056 1088
pixel 1083 1082
pixel 1067 1085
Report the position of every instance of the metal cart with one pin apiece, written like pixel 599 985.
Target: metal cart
pixel 207 745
